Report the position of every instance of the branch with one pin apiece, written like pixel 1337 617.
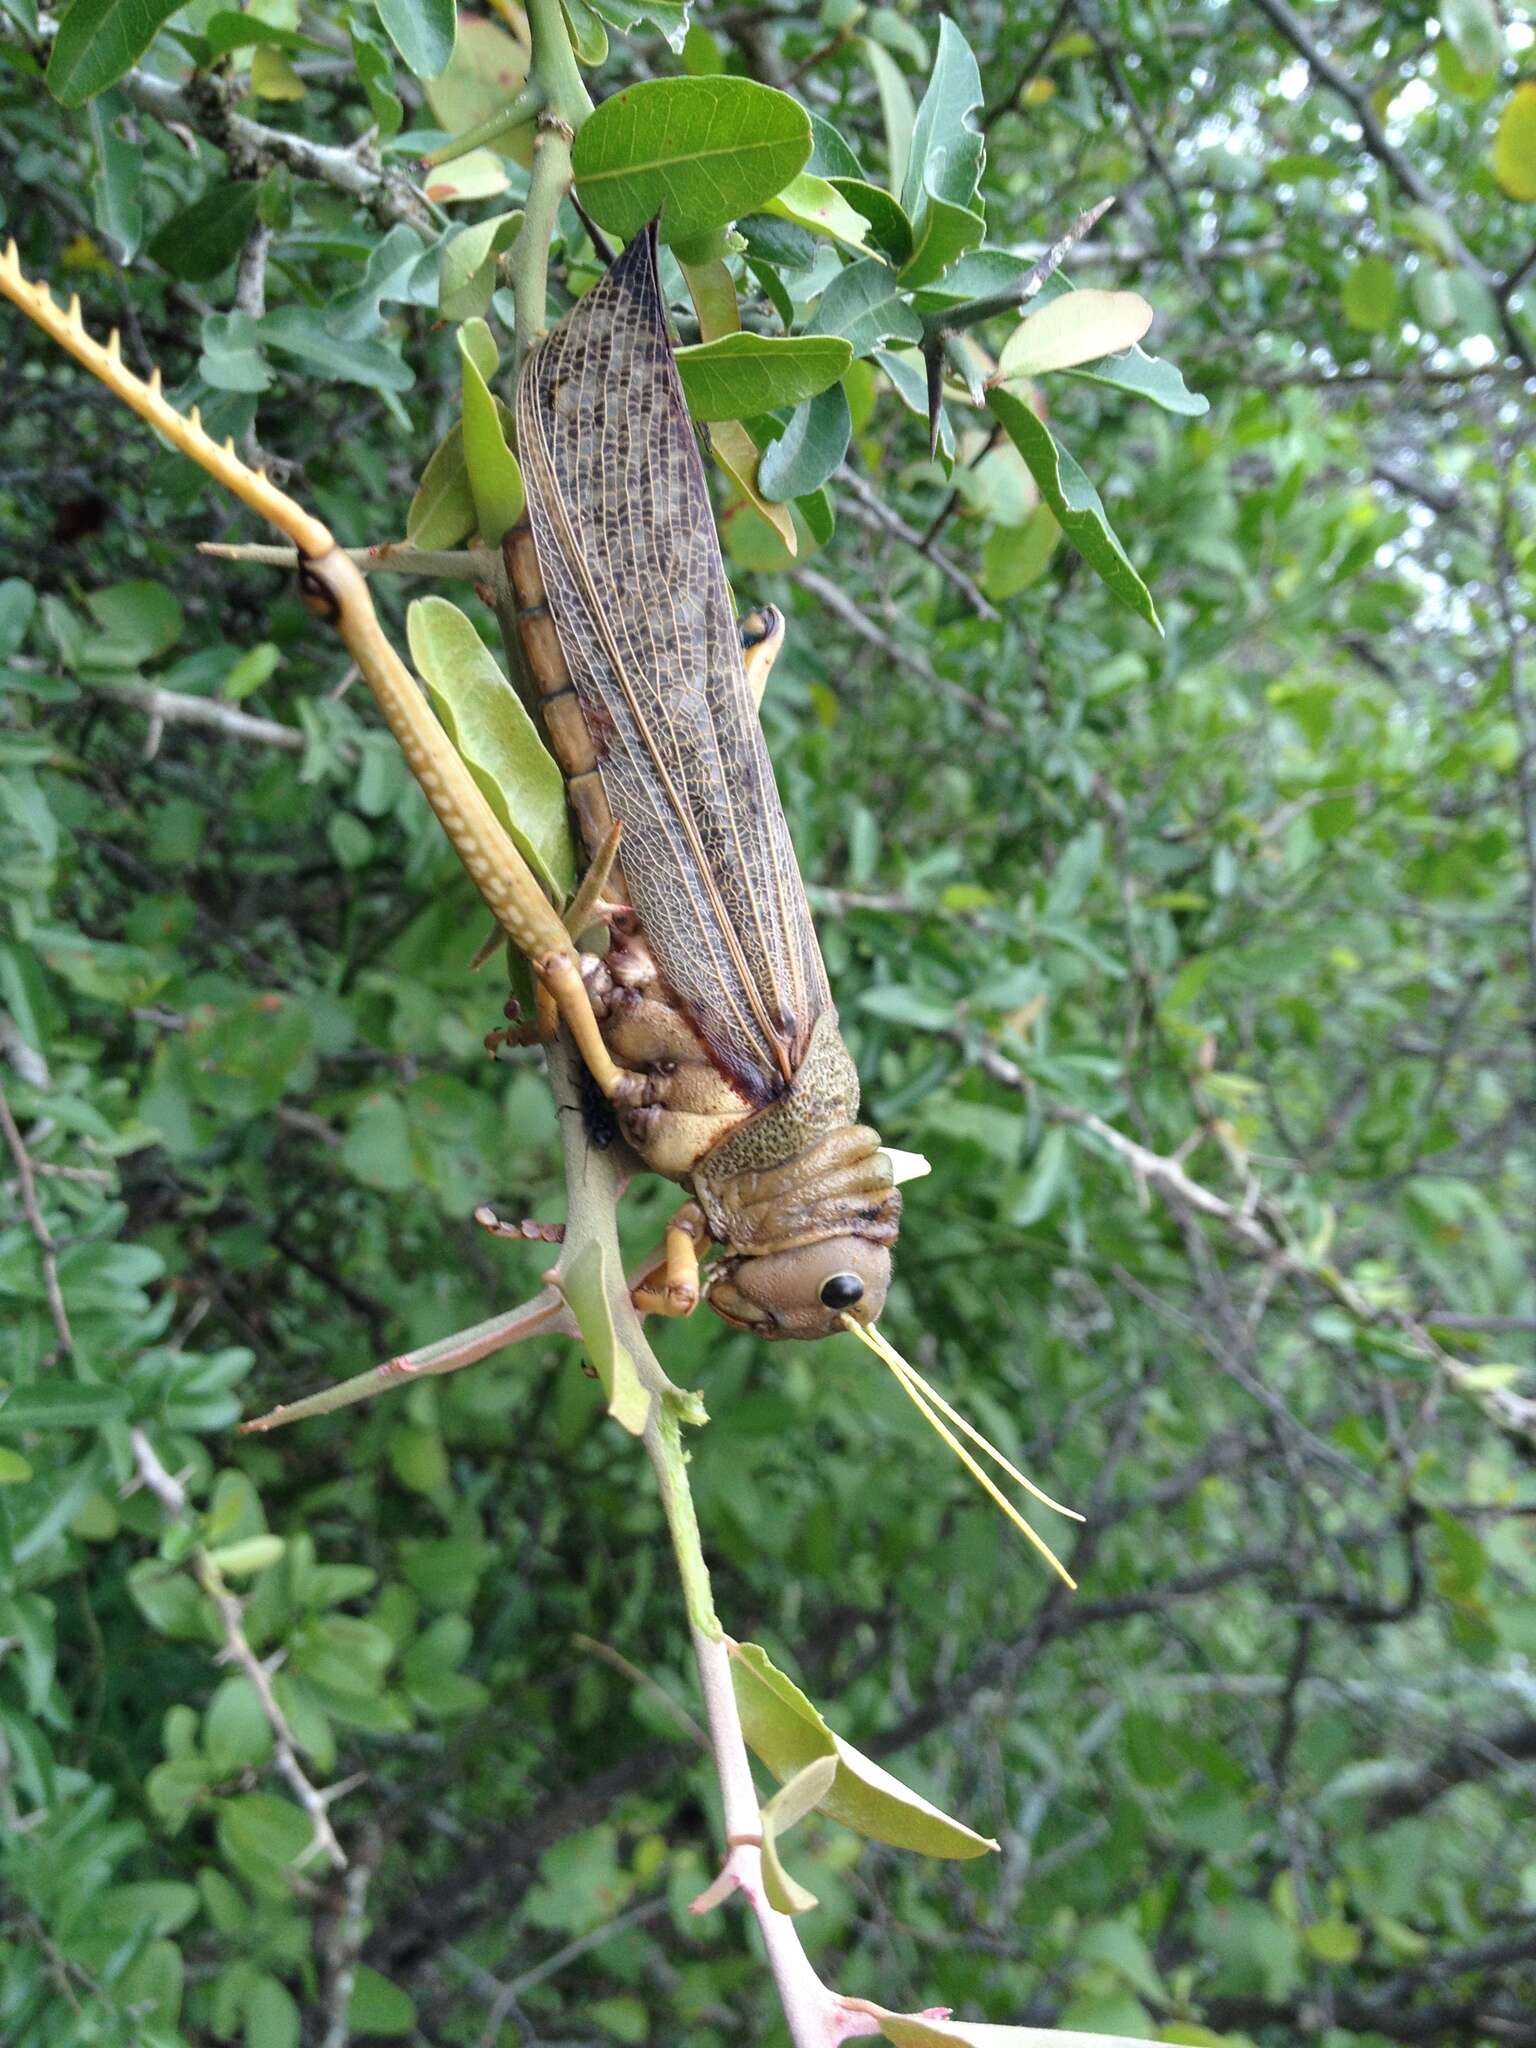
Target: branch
pixel 390 557
pixel 1401 168
pixel 854 616
pixel 1255 1231
pixel 170 707
pixel 237 1650
pixel 47 1250
pixel 203 105
pixel 880 516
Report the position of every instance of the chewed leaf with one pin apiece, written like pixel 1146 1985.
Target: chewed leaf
pixel 584 1283
pixel 478 174
pixel 1077 327
pixel 786 1731
pixel 494 736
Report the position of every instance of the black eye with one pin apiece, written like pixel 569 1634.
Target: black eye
pixel 842 1290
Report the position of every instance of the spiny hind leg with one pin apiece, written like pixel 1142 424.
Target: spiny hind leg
pixel 676 1267
pixel 762 635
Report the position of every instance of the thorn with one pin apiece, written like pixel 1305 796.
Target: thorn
pixel 114 346
pixel 73 315
pixel 229 447
pixel 196 418
pixel 154 382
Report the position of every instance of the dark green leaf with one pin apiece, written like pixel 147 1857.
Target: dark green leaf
pixel 809 449
pixel 205 239
pixel 743 374
pixel 422 31
pixel 99 41
pixel 699 151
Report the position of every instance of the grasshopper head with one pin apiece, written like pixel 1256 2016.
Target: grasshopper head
pixel 805 1292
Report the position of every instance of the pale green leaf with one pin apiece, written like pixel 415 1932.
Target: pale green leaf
pixel 496 739
pixel 1077 327
pixel 422 31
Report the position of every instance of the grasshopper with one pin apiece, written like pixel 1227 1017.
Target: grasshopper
pixel 712 998
pixel 708 1024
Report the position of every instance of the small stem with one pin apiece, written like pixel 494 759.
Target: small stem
pixel 528 264
pixel 553 67
pixel 520 108
pixel 390 557
pixel 669 1462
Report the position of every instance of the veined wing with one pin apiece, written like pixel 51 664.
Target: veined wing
pixel 631 564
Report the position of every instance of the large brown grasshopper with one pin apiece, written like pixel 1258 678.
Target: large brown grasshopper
pixel 708 1023
pixel 730 1075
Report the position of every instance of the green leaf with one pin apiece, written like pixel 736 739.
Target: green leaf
pixel 1077 327
pixel 487 70
pixel 787 1732
pixel 809 449
pixel 863 303
pixel 938 192
pixel 495 480
pixel 14 1469
pixel 117 182
pixel 670 17
pixel 1333 1941
pixel 250 1555
pixel 230 30
pixel 377 2006
pixel 584 1284
pixel 1074 501
pixel 1369 297
pixel 98 42
pixel 911 2030
pixel 1476 34
pixel 815 204
pixel 62 1404
pixel 231 358
pixel 1514 144
pixel 699 151
pixel 897 112
pixel 1148 377
pixel 236 1731
pixel 467 271
pixel 271 2016
pixel 422 31
pixel 301 331
pixel 497 740
pixel 443 509
pixel 139 622
pixel 886 226
pixel 741 375
pixel 203 240
pixel 477 174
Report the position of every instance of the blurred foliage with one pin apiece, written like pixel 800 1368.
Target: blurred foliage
pixel 1256 896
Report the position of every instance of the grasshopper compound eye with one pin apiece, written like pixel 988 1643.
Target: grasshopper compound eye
pixel 842 1290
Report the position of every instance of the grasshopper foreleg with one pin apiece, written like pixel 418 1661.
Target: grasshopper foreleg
pixel 676 1267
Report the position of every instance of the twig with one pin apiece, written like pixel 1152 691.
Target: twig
pixel 838 602
pixel 170 707
pixel 251 275
pixel 643 1682
pixel 343 1942
pixel 237 1650
pixel 1400 167
pixel 390 557
pixel 47 1250
pixel 516 1988
pixel 167 1487
pixel 1029 69
pixel 1254 1230
pixel 879 514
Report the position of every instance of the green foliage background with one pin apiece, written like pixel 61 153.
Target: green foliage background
pixel 1258 895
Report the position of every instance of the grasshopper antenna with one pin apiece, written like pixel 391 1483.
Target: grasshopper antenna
pixel 933 1407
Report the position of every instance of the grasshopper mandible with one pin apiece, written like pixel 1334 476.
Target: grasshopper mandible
pixel 712 999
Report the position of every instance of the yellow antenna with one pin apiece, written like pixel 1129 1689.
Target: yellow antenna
pixel 252 487
pixel 931 1405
